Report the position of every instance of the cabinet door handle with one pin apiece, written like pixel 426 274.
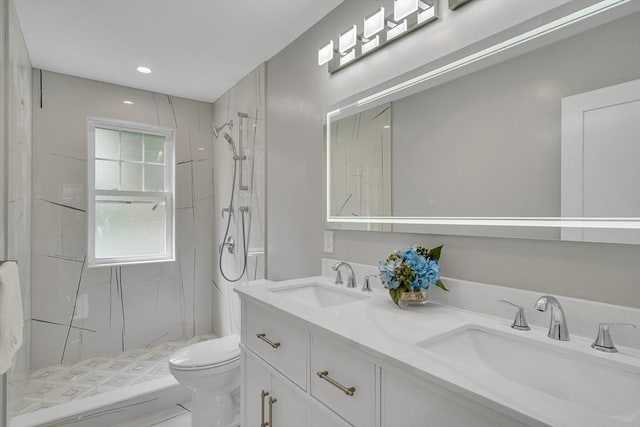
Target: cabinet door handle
pixel 271 402
pixel 349 391
pixel 264 338
pixel 263 394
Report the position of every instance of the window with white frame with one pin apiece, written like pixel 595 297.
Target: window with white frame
pixel 130 193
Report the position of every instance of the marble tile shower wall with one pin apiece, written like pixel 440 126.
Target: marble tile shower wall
pixel 19 188
pixel 247 96
pixel 116 308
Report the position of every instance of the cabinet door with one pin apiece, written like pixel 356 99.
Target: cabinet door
pixel 290 409
pixel 255 380
pixel 407 404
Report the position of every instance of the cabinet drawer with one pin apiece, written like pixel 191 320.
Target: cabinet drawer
pixel 347 385
pixel 278 343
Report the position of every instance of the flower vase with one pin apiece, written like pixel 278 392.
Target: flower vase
pixel 414 297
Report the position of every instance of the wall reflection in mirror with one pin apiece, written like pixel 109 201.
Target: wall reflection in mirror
pixel 551 133
pixel 361 165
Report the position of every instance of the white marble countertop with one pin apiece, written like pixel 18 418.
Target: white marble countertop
pixel 388 333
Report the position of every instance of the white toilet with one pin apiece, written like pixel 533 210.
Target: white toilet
pixel 212 370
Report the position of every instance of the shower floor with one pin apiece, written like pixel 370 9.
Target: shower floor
pixel 58 384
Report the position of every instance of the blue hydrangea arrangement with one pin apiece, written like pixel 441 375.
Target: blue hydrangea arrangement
pixel 415 267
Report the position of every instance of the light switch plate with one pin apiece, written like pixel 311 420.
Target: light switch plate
pixel 328 242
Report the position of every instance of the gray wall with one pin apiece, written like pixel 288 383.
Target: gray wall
pixel 299 92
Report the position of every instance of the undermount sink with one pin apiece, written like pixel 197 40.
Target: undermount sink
pixel 318 295
pixel 508 363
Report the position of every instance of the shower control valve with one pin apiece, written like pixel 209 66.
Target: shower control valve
pixel 230 244
pixel 224 210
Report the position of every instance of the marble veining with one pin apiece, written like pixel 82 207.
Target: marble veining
pixel 82 312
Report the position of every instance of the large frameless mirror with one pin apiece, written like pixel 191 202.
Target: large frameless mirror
pixel 536 135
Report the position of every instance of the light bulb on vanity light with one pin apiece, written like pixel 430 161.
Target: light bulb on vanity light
pixel 397 30
pixel 127 102
pixel 347 57
pixel 426 12
pixel 370 44
pixel 404 8
pixel 348 40
pixel 325 53
pixel 373 24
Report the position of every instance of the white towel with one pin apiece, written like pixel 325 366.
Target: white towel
pixel 10 314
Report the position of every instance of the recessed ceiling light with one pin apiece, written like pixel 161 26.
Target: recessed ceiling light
pixel 386 126
pixel 128 102
pixel 144 70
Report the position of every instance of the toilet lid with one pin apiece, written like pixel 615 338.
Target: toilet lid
pixel 210 353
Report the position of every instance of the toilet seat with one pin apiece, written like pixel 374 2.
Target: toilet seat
pixel 214 354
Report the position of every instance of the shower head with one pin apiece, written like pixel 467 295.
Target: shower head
pixel 216 130
pixel 233 144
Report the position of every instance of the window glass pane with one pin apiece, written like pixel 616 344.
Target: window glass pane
pixel 153 149
pixel 153 178
pixel 130 228
pixel 107 144
pixel 107 175
pixel 131 176
pixel 131 146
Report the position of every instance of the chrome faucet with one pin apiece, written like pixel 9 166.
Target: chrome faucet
pixel 351 278
pixel 558 327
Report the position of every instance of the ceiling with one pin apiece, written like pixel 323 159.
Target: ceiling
pixel 197 49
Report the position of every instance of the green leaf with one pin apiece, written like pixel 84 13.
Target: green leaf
pixel 441 285
pixel 395 295
pixel 435 252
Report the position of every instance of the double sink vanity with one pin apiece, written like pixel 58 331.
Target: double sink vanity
pixel 320 354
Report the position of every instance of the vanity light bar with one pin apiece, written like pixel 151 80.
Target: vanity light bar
pixel 378 30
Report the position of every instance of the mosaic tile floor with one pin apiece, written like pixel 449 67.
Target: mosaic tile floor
pixel 53 385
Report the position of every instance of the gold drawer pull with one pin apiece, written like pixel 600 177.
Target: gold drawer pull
pixel 349 391
pixel 271 402
pixel 264 338
pixel 263 394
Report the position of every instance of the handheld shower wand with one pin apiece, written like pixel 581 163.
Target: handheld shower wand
pixel 233 147
pixel 216 130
